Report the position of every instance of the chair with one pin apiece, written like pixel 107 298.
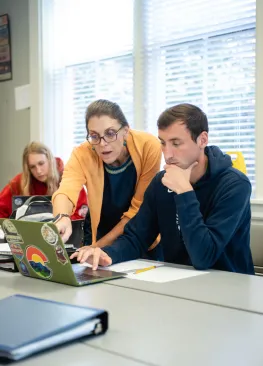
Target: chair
pixel 256 234
pixel 238 161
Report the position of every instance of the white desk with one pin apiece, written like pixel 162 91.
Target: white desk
pixel 77 354
pixel 226 289
pixel 153 329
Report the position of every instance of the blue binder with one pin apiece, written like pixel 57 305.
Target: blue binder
pixel 30 325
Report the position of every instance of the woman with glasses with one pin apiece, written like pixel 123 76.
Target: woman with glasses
pixel 116 164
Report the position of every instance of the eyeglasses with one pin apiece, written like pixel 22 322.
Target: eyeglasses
pixel 109 136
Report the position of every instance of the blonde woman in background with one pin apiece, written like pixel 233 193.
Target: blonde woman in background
pixel 41 175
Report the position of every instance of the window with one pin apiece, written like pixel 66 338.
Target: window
pixel 88 56
pixel 109 78
pixel 220 79
pixel 148 55
pixel 203 52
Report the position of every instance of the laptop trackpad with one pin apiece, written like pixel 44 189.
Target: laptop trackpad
pixel 88 273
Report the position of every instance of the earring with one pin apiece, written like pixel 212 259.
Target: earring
pixel 93 148
pixel 124 143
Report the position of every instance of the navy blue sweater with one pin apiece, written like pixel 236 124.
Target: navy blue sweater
pixel 208 227
pixel 119 186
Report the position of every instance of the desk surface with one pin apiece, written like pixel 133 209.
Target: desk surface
pixel 226 289
pixel 153 329
pixel 76 354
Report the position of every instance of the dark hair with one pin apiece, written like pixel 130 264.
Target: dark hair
pixel 103 107
pixel 193 117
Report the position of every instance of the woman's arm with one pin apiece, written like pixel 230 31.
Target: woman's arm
pixel 10 190
pixel 65 198
pixel 6 202
pixel 72 182
pixel 62 205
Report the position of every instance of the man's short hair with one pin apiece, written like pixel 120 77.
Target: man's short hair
pixel 193 117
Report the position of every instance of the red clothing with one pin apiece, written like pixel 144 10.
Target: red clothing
pixel 13 188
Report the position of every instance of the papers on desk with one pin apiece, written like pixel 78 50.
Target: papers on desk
pixel 159 274
pixel 165 274
pixel 132 266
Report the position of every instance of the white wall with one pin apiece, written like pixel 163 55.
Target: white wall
pixel 14 125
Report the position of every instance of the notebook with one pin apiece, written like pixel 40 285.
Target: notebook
pixel 33 325
pixel 39 252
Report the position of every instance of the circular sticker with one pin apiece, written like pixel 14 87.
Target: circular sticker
pixel 18 201
pixel 49 235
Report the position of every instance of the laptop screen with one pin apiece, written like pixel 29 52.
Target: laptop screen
pixel 18 201
pixel 76 237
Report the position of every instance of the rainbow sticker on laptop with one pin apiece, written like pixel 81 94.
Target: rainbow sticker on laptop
pixel 38 262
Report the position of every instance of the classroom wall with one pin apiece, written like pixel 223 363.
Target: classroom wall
pixel 14 125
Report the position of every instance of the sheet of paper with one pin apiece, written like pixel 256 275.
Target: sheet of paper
pixel 129 266
pixel 4 247
pixel 22 97
pixel 165 274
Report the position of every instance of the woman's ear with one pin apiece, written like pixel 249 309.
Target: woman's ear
pixel 126 131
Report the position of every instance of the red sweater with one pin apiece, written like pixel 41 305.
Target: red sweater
pixel 13 188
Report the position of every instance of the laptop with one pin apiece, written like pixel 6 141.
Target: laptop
pixel 18 201
pixel 76 238
pixel 39 252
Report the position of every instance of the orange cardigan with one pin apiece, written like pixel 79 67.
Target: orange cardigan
pixel 86 168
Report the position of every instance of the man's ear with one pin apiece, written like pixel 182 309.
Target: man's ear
pixel 202 140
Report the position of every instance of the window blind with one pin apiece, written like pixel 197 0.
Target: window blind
pixel 203 52
pixel 170 51
pixel 91 45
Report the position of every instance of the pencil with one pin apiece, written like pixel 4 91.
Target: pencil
pixel 144 269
